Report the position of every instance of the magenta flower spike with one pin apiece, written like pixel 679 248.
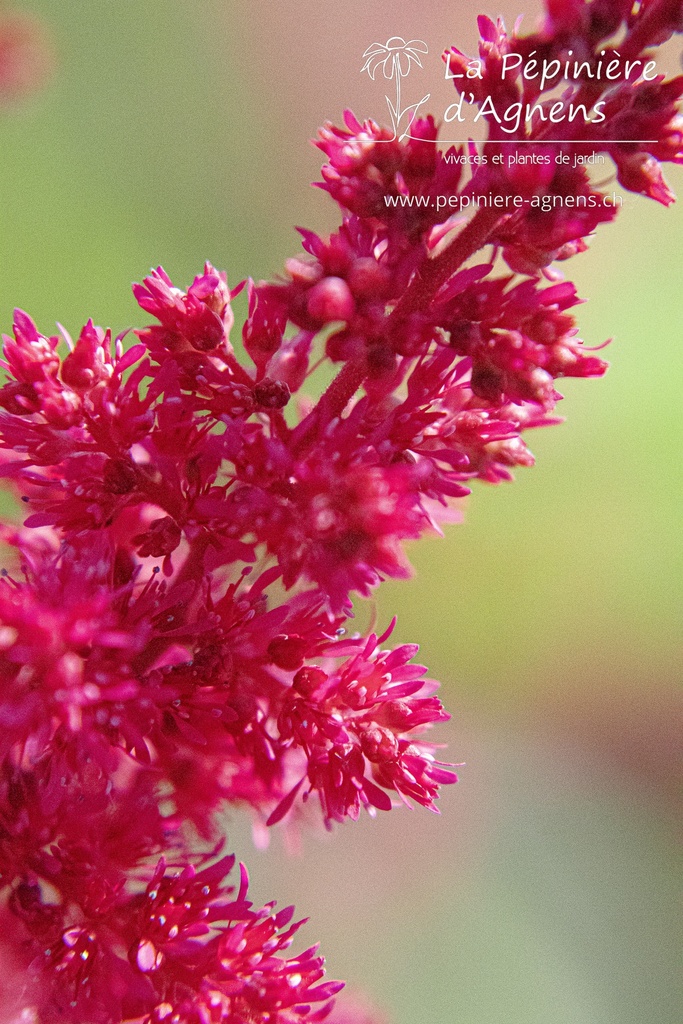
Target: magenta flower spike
pixel 176 605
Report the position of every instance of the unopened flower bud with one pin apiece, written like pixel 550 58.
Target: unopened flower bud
pixel 367 277
pixel 379 744
pixel 271 394
pixel 287 651
pixel 331 300
pixel 308 680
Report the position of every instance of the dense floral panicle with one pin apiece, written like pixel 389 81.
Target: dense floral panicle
pixel 32 361
pixel 195 690
pixel 341 523
pixel 631 108
pixel 186 949
pixel 649 111
pixel 358 725
pixel 519 338
pixel 205 457
pixel 368 171
pixel 63 648
pixel 199 319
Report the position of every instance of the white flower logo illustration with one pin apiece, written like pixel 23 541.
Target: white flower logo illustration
pixel 395 58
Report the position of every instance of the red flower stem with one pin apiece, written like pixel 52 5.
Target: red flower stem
pixel 343 387
pixel 332 403
pixel 435 272
pixel 422 289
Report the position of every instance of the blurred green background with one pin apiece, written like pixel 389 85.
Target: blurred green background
pixel 173 132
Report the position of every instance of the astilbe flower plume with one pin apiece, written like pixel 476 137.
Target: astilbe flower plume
pixel 174 611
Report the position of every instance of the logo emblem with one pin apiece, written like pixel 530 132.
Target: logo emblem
pixel 396 58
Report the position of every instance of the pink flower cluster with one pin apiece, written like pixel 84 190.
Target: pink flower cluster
pixel 173 616
pixel 25 55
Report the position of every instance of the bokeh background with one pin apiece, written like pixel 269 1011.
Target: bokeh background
pixel 173 131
